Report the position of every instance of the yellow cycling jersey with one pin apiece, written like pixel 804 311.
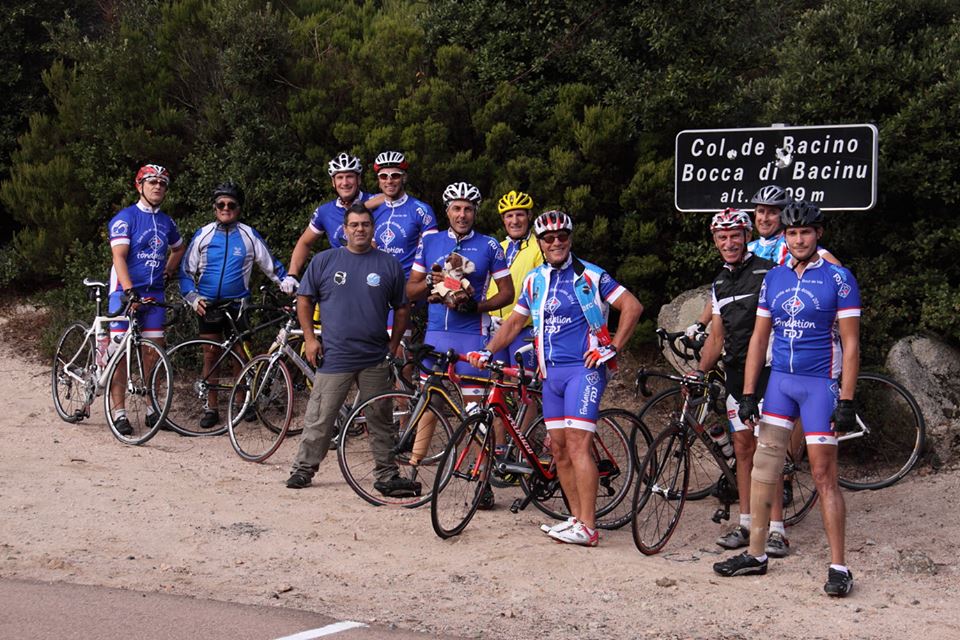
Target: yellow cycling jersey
pixel 522 257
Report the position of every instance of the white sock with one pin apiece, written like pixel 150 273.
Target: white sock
pixel 119 413
pixel 840 567
pixel 776 526
pixel 762 558
pixel 745 521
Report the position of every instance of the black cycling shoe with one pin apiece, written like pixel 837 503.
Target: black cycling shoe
pixel 210 419
pixel 123 426
pixel 298 480
pixel 398 487
pixel 839 584
pixel 741 565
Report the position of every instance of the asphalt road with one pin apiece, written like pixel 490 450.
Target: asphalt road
pixel 35 610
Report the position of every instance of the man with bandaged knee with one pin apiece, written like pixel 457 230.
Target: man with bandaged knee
pixel 813 308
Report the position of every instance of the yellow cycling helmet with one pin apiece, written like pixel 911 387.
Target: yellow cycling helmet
pixel 514 200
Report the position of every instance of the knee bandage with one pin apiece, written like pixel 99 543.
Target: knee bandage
pixel 771 453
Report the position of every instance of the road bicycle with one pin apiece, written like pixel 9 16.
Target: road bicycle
pixel 88 363
pixel 465 467
pixel 421 428
pixel 272 387
pixel 198 387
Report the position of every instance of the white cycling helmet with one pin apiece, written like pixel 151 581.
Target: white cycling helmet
pixel 552 221
pixel 772 196
pixel 731 219
pixel 389 159
pixel 461 191
pixel 344 163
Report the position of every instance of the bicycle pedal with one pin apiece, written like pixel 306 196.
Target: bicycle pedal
pixel 723 513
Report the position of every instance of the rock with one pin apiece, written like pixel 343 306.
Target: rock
pixel 666 582
pixel 916 562
pixel 930 370
pixel 680 313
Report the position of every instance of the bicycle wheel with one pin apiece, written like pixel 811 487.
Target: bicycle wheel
pixel 194 393
pixel 467 462
pixel 664 409
pixel 265 386
pixel 615 465
pixel 802 492
pixel 74 358
pixel 661 492
pixel 889 439
pixel 357 450
pixel 302 385
pixel 617 460
pixel 146 390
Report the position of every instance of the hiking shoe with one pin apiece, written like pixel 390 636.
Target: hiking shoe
pixel 210 419
pixel 298 480
pixel 486 500
pixel 838 583
pixel 560 526
pixel 579 533
pixel 741 565
pixel 123 427
pixel 398 487
pixel 777 545
pixel 736 538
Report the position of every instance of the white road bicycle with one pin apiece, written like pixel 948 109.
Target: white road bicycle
pixel 84 368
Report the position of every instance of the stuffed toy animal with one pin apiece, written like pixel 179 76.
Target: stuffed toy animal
pixel 454 289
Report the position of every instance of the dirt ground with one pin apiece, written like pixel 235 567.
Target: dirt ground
pixel 188 516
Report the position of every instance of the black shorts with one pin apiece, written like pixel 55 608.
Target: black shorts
pixel 734 383
pixel 215 320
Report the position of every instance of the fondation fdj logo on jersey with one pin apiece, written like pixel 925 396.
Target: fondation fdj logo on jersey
pixel 552 305
pixel 155 243
pixel 387 237
pixel 793 306
pixel 844 290
pixel 120 228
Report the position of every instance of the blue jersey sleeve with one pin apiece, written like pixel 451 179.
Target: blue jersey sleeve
pixel 118 230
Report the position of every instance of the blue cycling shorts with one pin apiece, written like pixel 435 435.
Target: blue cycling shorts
pixel 462 343
pixel 151 318
pixel 811 398
pixel 508 353
pixel 571 397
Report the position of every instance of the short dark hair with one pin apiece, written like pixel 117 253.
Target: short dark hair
pixel 357 207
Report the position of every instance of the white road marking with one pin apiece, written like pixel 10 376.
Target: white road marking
pixel 328 630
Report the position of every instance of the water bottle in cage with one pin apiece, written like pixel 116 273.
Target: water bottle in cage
pixel 103 345
pixel 720 435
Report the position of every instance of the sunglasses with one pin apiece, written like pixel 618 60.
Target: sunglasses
pixel 229 206
pixel 153 182
pixel 550 238
pixel 390 176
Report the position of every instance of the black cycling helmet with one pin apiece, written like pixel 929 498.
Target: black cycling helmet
pixel 772 196
pixel 228 189
pixel 801 214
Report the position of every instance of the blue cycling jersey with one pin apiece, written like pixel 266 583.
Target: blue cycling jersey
pixel 804 311
pixel 566 333
pixel 400 225
pixel 220 258
pixel 149 235
pixel 328 218
pixel 487 256
pixel 773 248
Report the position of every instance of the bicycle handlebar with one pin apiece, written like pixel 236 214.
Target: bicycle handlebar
pixel 691 347
pixel 711 386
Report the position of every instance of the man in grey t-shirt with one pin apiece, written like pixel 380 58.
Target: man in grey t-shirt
pixel 355 286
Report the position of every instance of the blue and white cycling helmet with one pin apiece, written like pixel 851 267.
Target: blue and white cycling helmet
pixel 344 163
pixel 772 196
pixel 552 221
pixel 461 191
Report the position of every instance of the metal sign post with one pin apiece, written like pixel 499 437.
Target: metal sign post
pixel 833 166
